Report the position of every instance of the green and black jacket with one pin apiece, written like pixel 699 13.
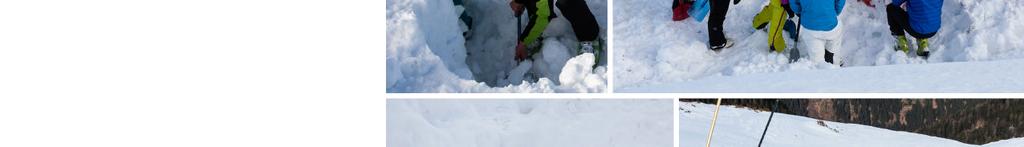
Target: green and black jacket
pixel 540 12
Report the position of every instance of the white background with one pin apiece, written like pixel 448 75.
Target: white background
pixel 191 73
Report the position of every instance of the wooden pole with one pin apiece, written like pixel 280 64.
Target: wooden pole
pixel 713 120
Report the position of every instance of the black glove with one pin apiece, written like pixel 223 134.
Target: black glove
pixel 734 2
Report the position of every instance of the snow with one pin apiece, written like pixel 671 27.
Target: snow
pixel 533 123
pixel 653 53
pixel 426 51
pixel 987 76
pixel 1006 143
pixel 743 127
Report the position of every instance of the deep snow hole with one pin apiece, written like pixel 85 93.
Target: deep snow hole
pixel 491 41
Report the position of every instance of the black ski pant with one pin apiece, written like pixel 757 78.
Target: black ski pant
pixel 899 23
pixel 583 22
pixel 718 9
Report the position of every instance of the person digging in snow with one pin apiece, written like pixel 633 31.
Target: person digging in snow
pixel 584 25
pixel 921 19
pixel 820 29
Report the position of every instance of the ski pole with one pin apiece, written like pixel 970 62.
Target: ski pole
pixel 713 120
pixel 774 108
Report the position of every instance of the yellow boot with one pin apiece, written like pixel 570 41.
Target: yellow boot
pixel 922 48
pixel 901 44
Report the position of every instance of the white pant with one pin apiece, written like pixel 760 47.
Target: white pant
pixel 814 43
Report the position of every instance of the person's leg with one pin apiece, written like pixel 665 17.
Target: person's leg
pixel 897 18
pixel 772 17
pixel 898 25
pixel 812 46
pixel 761 19
pixel 583 22
pixel 835 43
pixel 922 42
pixel 778 18
pixel 716 36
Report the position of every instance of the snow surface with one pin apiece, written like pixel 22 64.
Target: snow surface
pixel 743 127
pixel 529 123
pixel 426 51
pixel 986 76
pixel 655 54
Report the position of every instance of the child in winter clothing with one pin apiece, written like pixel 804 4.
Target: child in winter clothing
pixel 820 28
pixel 584 25
pixel 922 19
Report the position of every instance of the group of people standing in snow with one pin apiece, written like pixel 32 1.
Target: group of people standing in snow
pixel 819 28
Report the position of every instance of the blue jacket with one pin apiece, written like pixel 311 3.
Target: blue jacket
pixel 925 15
pixel 820 15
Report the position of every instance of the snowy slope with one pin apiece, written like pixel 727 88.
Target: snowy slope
pixel 743 127
pixel 652 50
pixel 426 51
pixel 528 123
pixel 983 76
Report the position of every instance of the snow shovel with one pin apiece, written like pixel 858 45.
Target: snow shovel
pixel 521 67
pixel 794 53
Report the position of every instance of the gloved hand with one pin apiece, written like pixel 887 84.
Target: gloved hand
pixel 734 2
pixel 521 53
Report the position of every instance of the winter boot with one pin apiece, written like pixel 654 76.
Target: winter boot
pixel 593 47
pixel 922 48
pixel 586 47
pixel 727 44
pixel 681 10
pixel 901 44
pixel 828 56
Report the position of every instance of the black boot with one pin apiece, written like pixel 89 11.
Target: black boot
pixel 828 56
